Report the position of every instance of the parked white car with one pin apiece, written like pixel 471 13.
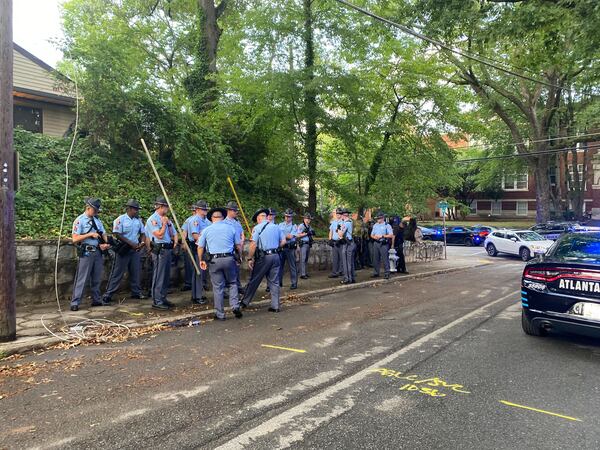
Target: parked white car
pixel 525 243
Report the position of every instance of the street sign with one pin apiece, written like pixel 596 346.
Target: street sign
pixel 443 206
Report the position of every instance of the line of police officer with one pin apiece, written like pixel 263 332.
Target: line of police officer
pixel 215 238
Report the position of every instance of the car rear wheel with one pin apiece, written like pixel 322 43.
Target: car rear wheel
pixel 529 327
pixel 491 250
pixel 525 254
pixel 468 242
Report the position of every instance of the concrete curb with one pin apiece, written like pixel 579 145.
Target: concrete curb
pixel 7 349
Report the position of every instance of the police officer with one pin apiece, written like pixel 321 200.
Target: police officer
pixel 334 237
pixel 232 219
pixel 90 238
pixel 305 240
pixel 162 240
pixel 192 228
pixel 399 246
pixel 130 234
pixel 263 258
pixel 348 247
pixel 271 218
pixel 380 234
pixel 222 241
pixel 288 252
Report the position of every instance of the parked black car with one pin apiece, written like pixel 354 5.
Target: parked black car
pixel 553 230
pixel 561 290
pixel 457 236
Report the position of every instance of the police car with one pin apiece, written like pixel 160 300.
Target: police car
pixel 524 243
pixel 561 290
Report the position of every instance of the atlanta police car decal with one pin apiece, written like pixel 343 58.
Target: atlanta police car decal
pixel 582 286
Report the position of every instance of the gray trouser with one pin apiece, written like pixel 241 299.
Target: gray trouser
pixel 222 275
pixel 89 268
pixel 289 255
pixel 336 253
pixel 304 252
pixel 189 271
pixel 197 280
pixel 268 266
pixel 348 250
pixel 161 266
pixel 130 262
pixel 381 254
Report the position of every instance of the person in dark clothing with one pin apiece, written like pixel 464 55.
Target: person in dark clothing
pixel 399 246
pixel 409 231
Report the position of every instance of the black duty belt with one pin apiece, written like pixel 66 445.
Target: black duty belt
pixel 163 246
pixel 273 251
pixel 90 248
pixel 221 255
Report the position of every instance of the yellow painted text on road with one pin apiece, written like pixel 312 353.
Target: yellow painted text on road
pixel 504 402
pixel 297 350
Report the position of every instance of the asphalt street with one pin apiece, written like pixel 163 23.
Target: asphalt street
pixel 438 362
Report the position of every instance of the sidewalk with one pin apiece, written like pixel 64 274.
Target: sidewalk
pixel 136 314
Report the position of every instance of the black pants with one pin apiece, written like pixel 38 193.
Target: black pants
pixel 401 263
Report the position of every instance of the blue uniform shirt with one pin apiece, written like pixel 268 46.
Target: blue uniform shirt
pixel 289 228
pixel 302 228
pixel 270 236
pixel 348 227
pixel 83 225
pixel 382 228
pixel 129 228
pixel 153 224
pixel 333 229
pixel 237 226
pixel 220 237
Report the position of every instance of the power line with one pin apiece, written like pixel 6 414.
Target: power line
pixel 525 155
pixel 440 44
pixel 525 142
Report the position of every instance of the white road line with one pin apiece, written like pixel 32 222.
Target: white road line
pixel 484 293
pixel 291 420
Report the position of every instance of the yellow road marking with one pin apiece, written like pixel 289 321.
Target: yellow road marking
pixel 540 411
pixel 284 348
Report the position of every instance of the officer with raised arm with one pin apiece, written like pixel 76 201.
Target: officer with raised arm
pixel 163 238
pixel 381 234
pixel 263 258
pixel 90 238
pixel 130 238
pixel 222 242
pixel 232 219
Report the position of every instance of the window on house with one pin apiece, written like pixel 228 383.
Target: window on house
pixel 572 176
pixel 515 182
pixel 496 208
pixel 553 176
pixel 28 118
pixel 473 208
pixel 522 208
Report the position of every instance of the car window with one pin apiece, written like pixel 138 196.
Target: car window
pixel 458 229
pixel 511 236
pixel 530 236
pixel 499 234
pixel 579 246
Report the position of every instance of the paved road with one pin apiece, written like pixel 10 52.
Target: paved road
pixel 416 364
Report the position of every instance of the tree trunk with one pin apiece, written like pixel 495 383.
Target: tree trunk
pixel 310 106
pixel 542 190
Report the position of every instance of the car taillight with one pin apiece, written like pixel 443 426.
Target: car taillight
pixel 483 233
pixel 549 274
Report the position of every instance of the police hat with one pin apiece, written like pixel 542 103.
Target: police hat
pixel 379 214
pixel 307 216
pixel 233 206
pixel 200 204
pixel 289 212
pixel 223 212
pixel 339 210
pixel 271 212
pixel 345 211
pixel 160 201
pixel 258 213
pixel 131 203
pixel 93 202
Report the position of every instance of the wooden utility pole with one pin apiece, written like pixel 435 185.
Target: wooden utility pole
pixel 8 325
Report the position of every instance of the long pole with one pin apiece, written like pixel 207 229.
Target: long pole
pixel 164 191
pixel 8 311
pixel 444 228
pixel 240 205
